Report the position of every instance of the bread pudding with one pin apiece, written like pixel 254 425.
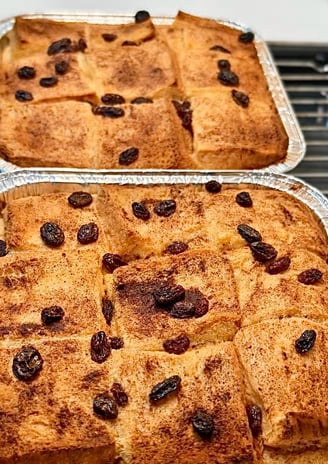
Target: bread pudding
pixel 190 95
pixel 170 324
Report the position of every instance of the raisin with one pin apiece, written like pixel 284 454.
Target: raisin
pixel 26 72
pixel 52 314
pixel 48 81
pixel 213 186
pixel 51 234
pixel 3 248
pixel 219 48
pixel 62 67
pixel 246 37
pixel 202 423
pixel 306 341
pixel 105 406
pixel 201 306
pixel 140 211
pixel 140 100
pixel 128 156
pixel 176 248
pixel 249 234
pixel 141 16
pixel 162 389
pixel 88 233
pixel 263 252
pixel 107 310
pixel 112 99
pixel 181 106
pixel 59 46
pixel 81 46
pixel 27 363
pixel 254 414
pixel 108 111
pixel 177 345
pixel 310 276
pixel 227 77
pixel 100 347
pixel 169 294
pixel 244 199
pixel 112 262
pixel 182 310
pixel 224 64
pixel 116 343
pixel 80 199
pixel 279 265
pixel 129 43
pixel 184 112
pixel 23 95
pixel 119 394
pixel 108 37
pixel 240 98
pixel 165 208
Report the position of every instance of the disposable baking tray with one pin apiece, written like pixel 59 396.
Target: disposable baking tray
pixel 296 147
pixel 26 182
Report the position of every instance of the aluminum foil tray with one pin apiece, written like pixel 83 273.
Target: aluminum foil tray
pixel 296 147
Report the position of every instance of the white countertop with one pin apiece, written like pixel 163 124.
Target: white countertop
pixel 290 20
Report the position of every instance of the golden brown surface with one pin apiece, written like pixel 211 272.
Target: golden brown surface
pixel 137 60
pixel 241 352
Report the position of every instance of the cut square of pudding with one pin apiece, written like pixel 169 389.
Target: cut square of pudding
pixel 285 365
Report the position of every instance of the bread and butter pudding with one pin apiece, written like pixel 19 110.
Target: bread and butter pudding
pixel 169 324
pixel 138 95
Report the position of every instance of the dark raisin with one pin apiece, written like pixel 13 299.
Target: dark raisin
pixel 263 252
pixel 140 211
pixel 128 156
pixel 246 37
pixel 227 77
pixel 107 310
pixel 183 310
pixel 168 294
pixel 100 347
pixel 213 186
pixel 52 314
pixel 244 199
pixel 62 67
pixel 112 262
pixel 141 16
pixel 59 46
pixel 80 199
pixel 240 98
pixel 162 389
pixel 140 100
pixel 51 234
pixel 177 345
pixel 108 37
pixel 27 363
pixel 26 72
pixel 108 111
pixel 306 341
pixel 202 423
pixel 181 105
pixel 224 64
pixel 165 208
pixel 310 276
pixel 249 234
pixel 184 112
pixel 279 265
pixel 119 394
pixel 105 406
pixel 48 81
pixel 116 343
pixel 201 306
pixel 88 233
pixel 23 95
pixel 112 99
pixel 81 45
pixel 3 248
pixel 176 248
pixel 219 48
pixel 129 43
pixel 254 414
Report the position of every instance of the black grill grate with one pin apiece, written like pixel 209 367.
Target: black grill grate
pixel 304 71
